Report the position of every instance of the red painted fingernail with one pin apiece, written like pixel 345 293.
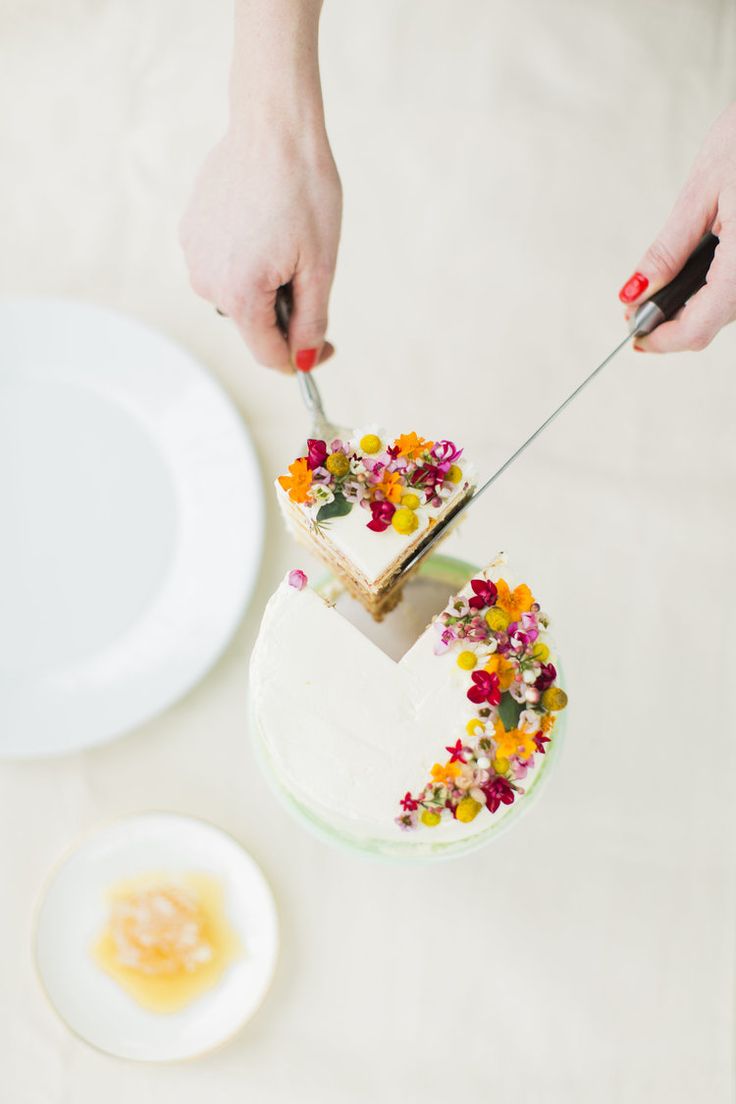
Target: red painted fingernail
pixel 639 349
pixel 305 359
pixel 633 288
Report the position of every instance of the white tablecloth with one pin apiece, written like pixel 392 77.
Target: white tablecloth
pixel 504 166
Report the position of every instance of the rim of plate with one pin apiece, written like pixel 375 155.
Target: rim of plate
pixel 251 534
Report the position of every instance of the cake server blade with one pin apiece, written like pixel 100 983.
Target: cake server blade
pixel 662 306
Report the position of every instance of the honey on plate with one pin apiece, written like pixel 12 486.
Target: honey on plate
pixel 167 940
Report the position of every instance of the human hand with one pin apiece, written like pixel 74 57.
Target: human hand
pixel 266 211
pixel 707 202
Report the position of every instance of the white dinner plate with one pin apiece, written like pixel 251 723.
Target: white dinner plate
pixel 131 524
pixel 73 912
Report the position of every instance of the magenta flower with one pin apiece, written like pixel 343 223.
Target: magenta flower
pixel 484 593
pixel 457 752
pixel 547 676
pixel 498 791
pixel 297 579
pixel 381 512
pixel 446 453
pixel 408 804
pixel 316 453
pixel 448 636
pixel 540 740
pixel 485 688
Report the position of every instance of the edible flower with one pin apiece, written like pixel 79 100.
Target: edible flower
pixel 298 481
pixel 297 579
pixel 484 593
pixel 381 512
pixel 411 446
pixel 408 804
pixel 457 752
pixel 514 602
pixel 547 676
pixel 485 688
pixel 316 453
pixel 504 669
pixel 498 791
pixel 445 773
pixel 390 486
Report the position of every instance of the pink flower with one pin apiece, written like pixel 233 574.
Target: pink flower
pixel 457 752
pixel 448 636
pixel 484 593
pixel 498 791
pixel 316 453
pixel 297 579
pixel 446 453
pixel 408 804
pixel 547 676
pixel 485 688
pixel 381 512
pixel 407 821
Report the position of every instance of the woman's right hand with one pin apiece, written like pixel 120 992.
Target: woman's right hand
pixel 265 212
pixel 267 205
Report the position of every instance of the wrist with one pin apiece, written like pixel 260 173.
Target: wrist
pixel 274 80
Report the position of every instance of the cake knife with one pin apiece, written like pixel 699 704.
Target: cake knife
pixel 660 307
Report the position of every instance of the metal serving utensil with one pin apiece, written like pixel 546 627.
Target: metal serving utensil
pixel 662 306
pixel 322 428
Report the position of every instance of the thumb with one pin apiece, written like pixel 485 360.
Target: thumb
pixel 308 324
pixel 688 221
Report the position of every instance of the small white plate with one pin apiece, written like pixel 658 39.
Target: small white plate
pixel 131 514
pixel 73 912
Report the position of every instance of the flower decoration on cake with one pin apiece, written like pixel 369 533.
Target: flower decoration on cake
pixel 389 481
pixel 495 636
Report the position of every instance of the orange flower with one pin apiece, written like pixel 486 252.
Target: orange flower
pixel 445 774
pixel 298 481
pixel 512 742
pixel 514 602
pixel 411 446
pixel 390 486
pixel 504 668
pixel 548 722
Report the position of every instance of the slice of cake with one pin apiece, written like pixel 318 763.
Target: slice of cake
pixel 427 755
pixel 364 506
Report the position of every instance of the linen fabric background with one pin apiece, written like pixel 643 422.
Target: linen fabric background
pixel 504 165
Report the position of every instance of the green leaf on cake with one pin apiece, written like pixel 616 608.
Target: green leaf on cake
pixel 509 711
pixel 339 507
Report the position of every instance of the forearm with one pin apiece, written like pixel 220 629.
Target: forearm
pixel 274 80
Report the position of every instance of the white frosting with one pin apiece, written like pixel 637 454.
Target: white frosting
pixel 373 554
pixel 346 730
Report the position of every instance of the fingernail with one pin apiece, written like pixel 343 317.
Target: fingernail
pixel 638 348
pixel 305 359
pixel 633 288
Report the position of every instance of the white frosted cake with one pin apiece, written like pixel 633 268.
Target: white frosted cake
pixel 365 504
pixel 426 755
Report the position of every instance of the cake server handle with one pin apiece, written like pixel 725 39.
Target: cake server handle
pixel 665 303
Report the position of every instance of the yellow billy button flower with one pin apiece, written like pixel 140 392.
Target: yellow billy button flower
pixel 404 520
pixel 467 660
pixel 500 765
pixel 497 620
pixel 468 810
pixel 411 501
pixel 370 444
pixel 554 699
pixel 455 473
pixel 337 464
pixel 474 726
pixel 430 819
pixel 540 651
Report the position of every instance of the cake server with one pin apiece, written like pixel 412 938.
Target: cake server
pixel 662 306
pixel 322 428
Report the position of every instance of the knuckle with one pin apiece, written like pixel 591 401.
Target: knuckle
pixel 659 257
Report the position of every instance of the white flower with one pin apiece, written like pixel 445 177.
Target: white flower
pixel 528 721
pixel 321 494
